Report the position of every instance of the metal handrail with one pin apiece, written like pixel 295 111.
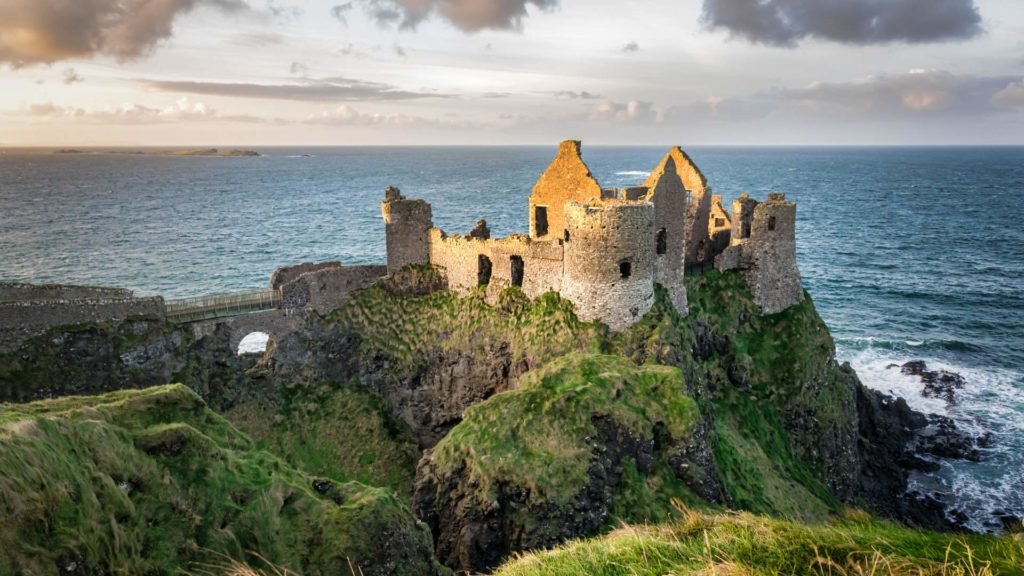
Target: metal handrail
pixel 221 305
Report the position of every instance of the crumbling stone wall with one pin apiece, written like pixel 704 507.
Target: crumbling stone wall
pixel 769 256
pixel 603 239
pixel 460 258
pixel 698 207
pixel 566 178
pixel 719 226
pixel 669 197
pixel 288 274
pixel 19 292
pixel 326 289
pixel 407 225
pixel 742 218
pixel 20 321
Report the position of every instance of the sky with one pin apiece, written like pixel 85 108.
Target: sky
pixel 495 72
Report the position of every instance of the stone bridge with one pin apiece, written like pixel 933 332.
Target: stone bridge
pixel 275 323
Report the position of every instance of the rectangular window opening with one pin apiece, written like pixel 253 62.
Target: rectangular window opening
pixel 625 269
pixel 771 223
pixel 483 270
pixel 661 241
pixel 518 270
pixel 540 218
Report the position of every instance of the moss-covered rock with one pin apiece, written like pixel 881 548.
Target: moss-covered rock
pixel 150 482
pixel 557 457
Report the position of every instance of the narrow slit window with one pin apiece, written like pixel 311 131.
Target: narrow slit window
pixel 771 223
pixel 540 217
pixel 661 241
pixel 483 271
pixel 746 230
pixel 518 270
pixel 566 235
pixel 625 269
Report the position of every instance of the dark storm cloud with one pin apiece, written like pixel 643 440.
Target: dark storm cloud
pixel 466 15
pixel 47 31
pixel 305 90
pixel 787 22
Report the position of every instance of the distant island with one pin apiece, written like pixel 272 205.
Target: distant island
pixel 190 152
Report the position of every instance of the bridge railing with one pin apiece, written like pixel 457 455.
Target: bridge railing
pixel 221 305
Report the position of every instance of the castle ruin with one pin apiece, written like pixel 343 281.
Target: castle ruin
pixel 605 249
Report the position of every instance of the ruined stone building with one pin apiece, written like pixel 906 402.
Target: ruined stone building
pixel 604 249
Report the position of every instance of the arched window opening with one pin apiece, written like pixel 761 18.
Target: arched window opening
pixel 625 269
pixel 254 343
pixel 661 241
pixel 518 270
pixel 483 270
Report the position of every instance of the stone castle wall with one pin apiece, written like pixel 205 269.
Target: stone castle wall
pixel 669 197
pixel 603 238
pixel 19 292
pixel 328 288
pixel 460 258
pixel 20 321
pixel 770 256
pixel 742 218
pixel 567 179
pixel 719 226
pixel 287 274
pixel 407 225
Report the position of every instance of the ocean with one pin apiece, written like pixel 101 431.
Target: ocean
pixel 908 253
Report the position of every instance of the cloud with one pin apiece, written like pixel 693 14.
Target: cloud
pixel 1011 96
pixel 298 69
pixel 633 111
pixel 631 47
pixel 399 51
pixel 339 11
pixel 306 89
pixel 345 115
pixel 570 95
pixel 466 15
pixel 915 92
pixel 71 76
pixel 787 22
pixel 48 31
pixel 181 111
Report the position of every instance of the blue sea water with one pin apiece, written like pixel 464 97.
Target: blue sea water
pixel 909 253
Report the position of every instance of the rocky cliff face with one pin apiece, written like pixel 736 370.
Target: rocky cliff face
pixel 777 425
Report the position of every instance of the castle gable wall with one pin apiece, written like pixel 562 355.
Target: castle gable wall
pixel 669 198
pixel 566 179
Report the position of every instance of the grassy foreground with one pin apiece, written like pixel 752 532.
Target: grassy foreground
pixel 744 544
pixel 152 482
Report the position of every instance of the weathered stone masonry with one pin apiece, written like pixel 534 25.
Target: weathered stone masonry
pixel 604 249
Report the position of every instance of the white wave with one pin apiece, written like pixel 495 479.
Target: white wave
pixel 633 173
pixel 991 401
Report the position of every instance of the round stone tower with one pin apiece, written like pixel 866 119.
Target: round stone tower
pixel 609 260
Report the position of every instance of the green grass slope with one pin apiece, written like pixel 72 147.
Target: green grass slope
pixel 149 482
pixel 744 544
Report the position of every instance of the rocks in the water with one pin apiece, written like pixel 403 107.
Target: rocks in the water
pixel 941 438
pixel 937 383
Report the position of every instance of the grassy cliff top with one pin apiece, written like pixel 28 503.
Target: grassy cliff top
pixel 152 481
pixel 744 544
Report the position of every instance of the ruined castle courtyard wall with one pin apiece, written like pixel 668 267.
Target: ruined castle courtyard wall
pixel 459 258
pixel 327 289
